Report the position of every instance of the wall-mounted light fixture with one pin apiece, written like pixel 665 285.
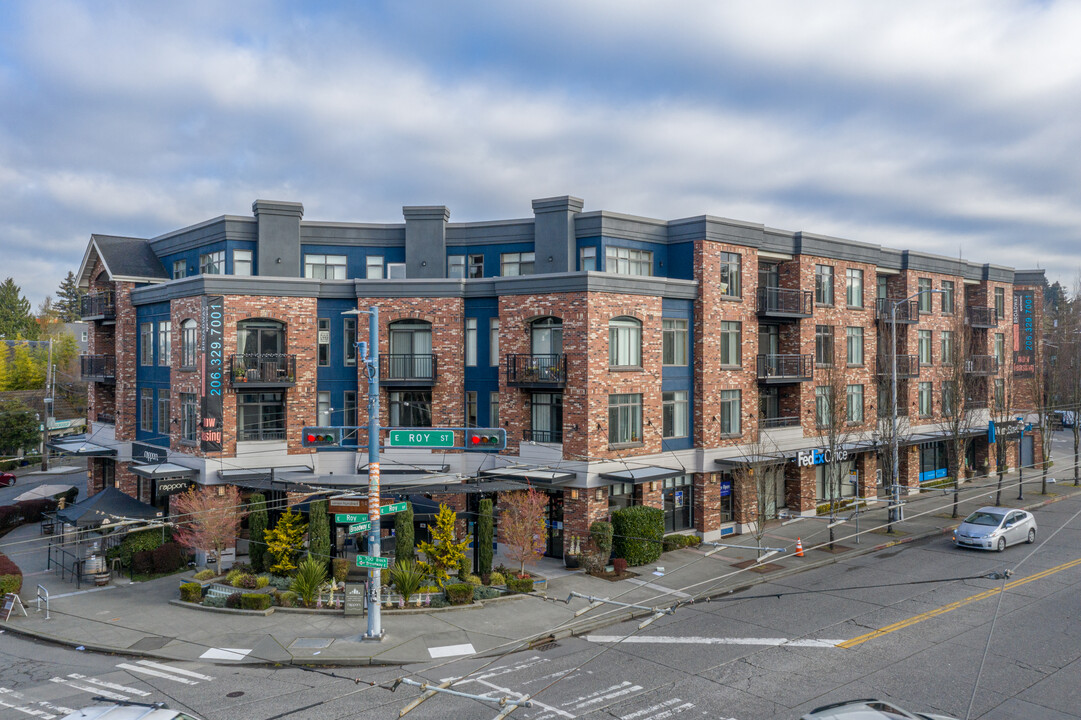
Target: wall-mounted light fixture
pixel 574 493
pixel 599 494
pixel 653 486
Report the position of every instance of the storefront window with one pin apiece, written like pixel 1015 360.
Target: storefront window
pixel 678 498
pixel 932 461
pixel 842 477
pixel 726 497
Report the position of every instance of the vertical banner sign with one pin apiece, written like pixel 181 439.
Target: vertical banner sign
pixel 1024 333
pixel 210 430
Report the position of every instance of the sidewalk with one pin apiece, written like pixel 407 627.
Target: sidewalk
pixel 138 619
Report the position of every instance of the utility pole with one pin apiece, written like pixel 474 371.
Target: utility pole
pixel 48 409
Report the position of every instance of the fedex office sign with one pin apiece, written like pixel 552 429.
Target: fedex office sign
pixel 807 458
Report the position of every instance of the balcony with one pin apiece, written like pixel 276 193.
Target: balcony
pixel 776 369
pixel 543 436
pixel 772 423
pixel 259 370
pixel 98 306
pixel 908 311
pixel 536 371
pixel 981 365
pixel 106 418
pixel 98 368
pixel 782 303
pixel 981 317
pixel 407 370
pixel 260 434
pixel 977 403
pixel 908 366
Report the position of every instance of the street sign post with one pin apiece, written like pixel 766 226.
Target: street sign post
pixel 391 509
pixel 359 527
pixel 375 563
pixel 350 517
pixel 428 438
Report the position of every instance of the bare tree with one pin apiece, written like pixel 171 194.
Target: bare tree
pixel 961 393
pixel 1046 352
pixel 1002 399
pixel 837 416
pixel 759 474
pixel 1068 370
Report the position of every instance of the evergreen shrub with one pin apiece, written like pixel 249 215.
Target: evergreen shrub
pixel 638 534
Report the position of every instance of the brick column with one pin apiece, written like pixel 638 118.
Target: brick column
pixel 707 502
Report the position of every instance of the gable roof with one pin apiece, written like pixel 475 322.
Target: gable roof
pixel 124 258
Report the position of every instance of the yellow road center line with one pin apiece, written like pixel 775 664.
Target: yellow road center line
pixel 955 605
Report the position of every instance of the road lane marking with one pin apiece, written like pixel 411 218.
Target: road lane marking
pixel 609 693
pixel 156 673
pixel 62 710
pixel 665 708
pixel 690 640
pixel 955 605
pixel 91 689
pixel 109 685
pixel 518 696
pixel 170 668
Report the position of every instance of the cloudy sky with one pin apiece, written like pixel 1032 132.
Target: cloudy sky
pixel 946 127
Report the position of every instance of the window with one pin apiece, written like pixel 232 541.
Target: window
pixel 323 342
pixel 674 414
pixel 823 406
pixel 493 409
pixel 349 339
pixel 456 266
pixel 373 267
pixel 854 403
pixel 471 342
pixel 1000 349
pixel 1000 394
pixel 476 266
pixel 949 396
pixel 1000 303
pixel 673 341
pixel 396 271
pixel 493 342
pixel 516 264
pixel 180 269
pixel 730 412
pixel 823 285
pixel 624 261
pixel 730 343
pixel 471 408
pixel 624 342
pixel 410 350
pixel 324 267
pixel 624 418
pixel 323 409
pixel 832 481
pixel 587 259
pixel 546 417
pixel 165 342
pixel 881 286
pixel 620 495
pixel 188 339
pixel 947 347
pixel 730 274
pixel 854 338
pixel 189 418
pixel 260 416
pixel 411 408
pixel 925 347
pixel 163 411
pixel 678 497
pixel 923 285
pixel 823 345
pixel 259 341
pixel 947 297
pixel 146 343
pixel 146 410
pixel 242 262
pixel 854 288
pixel 925 399
pixel 85 336
pixel 212 263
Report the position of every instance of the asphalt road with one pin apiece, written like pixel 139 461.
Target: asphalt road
pixel 75 475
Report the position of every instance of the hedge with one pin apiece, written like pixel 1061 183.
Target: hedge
pixel 638 534
pixel 254 601
pixel 191 592
pixel 459 593
pixel 11 577
pixel 601 532
pixel 135 542
pixel 519 585
pixel 675 542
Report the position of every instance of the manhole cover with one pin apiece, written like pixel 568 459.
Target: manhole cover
pixel 546 646
pixel 235 693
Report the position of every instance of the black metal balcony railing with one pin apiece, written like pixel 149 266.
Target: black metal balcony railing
pixel 981 365
pixel 107 418
pixel 536 370
pixel 981 317
pixel 770 423
pixel 98 306
pixel 783 302
pixel 98 368
pixel 908 311
pixel 404 369
pixel 785 368
pixel 253 434
pixel 543 436
pixel 262 370
pixel 908 366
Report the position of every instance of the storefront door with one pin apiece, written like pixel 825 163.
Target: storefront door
pixel 554 522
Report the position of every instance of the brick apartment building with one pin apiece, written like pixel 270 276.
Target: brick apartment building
pixel 630 360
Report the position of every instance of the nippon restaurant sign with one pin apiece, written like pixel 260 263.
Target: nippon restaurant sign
pixel 820 456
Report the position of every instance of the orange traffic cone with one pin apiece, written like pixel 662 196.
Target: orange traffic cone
pixel 799 547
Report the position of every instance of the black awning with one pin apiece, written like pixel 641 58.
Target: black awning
pixel 641 475
pixel 163 470
pixel 108 507
pixel 534 475
pixel 81 447
pixel 731 463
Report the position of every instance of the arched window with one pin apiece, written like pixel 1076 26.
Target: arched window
pixel 624 342
pixel 546 336
pixel 188 343
pixel 260 337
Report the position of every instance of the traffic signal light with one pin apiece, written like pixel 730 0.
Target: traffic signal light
pixel 486 439
pixel 317 437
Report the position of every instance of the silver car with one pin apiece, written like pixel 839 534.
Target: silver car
pixel 994 528
pixel 868 710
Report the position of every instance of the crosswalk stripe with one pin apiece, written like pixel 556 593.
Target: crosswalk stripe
pixel 47 705
pixel 92 690
pixel 29 711
pixel 170 668
pixel 156 673
pixel 111 686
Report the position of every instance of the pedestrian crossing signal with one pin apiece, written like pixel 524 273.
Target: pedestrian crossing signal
pixel 321 437
pixel 486 439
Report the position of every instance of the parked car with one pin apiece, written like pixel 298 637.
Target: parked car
pixel 994 528
pixel 7 479
pixel 129 711
pixel 1062 419
pixel 868 710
